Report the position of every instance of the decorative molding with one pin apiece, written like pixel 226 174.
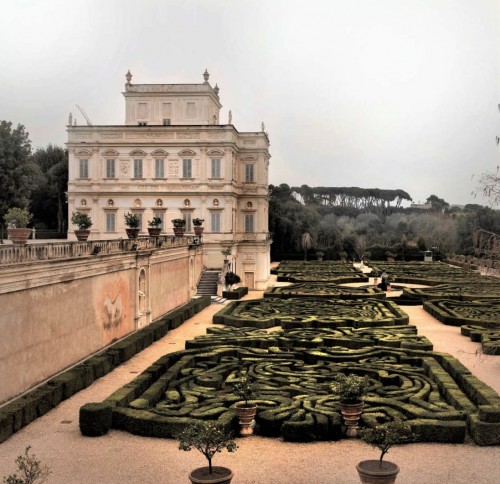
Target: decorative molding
pixel 187 153
pixel 216 134
pixel 112 153
pixel 83 135
pixel 124 166
pixel 112 135
pixel 159 153
pixel 173 167
pixel 187 135
pixel 249 142
pixel 138 153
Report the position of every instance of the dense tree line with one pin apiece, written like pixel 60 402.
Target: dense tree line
pixel 367 229
pixel 35 180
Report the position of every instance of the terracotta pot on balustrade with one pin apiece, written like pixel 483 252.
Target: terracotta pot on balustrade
pixel 198 231
pixel 82 235
pixel 19 236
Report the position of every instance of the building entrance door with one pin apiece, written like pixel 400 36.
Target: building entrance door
pixel 249 280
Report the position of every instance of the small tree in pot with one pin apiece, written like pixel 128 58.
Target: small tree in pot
pixel 350 389
pixel 17 219
pixel 383 437
pixel 154 228
pixel 209 438
pixel 83 222
pixel 198 229
pixel 179 226
pixel 244 387
pixel 231 279
pixel 132 221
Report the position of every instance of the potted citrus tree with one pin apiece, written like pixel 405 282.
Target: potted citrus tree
pixel 350 389
pixel 209 438
pixel 245 410
pixel 132 221
pixel 231 279
pixel 198 229
pixel 154 228
pixel 179 226
pixel 83 222
pixel 17 219
pixel 383 437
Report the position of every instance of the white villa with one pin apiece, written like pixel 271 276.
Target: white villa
pixel 174 159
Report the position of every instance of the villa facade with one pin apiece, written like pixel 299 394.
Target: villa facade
pixel 173 159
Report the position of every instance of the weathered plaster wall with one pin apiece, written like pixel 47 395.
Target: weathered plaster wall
pixel 55 313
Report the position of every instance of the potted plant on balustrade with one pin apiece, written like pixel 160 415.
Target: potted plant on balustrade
pixel 132 221
pixel 154 228
pixel 244 387
pixel 83 222
pixel 383 437
pixel 198 229
pixel 209 438
pixel 17 219
pixel 179 226
pixel 350 389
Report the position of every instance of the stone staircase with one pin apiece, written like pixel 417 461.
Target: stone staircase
pixel 208 283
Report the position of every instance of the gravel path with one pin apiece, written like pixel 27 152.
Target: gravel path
pixel 119 457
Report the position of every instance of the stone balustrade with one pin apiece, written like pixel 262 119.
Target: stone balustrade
pixel 14 254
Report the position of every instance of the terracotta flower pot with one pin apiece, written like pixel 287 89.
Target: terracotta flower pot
pixel 220 475
pixel 179 231
pixel 246 414
pixel 198 230
pixel 19 236
pixel 154 231
pixel 82 235
pixel 132 233
pixel 351 412
pixel 371 472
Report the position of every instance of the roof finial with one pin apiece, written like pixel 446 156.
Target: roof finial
pixel 128 76
pixel 230 118
pixel 70 119
pixel 263 127
pixel 206 75
pixel 216 89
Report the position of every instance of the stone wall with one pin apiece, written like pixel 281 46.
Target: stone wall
pixel 55 313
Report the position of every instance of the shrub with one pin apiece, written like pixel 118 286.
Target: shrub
pixel 350 388
pixel 30 468
pixel 156 222
pixel 82 220
pixel 95 419
pixel 207 437
pixel 132 220
pixel 17 217
pixel 386 435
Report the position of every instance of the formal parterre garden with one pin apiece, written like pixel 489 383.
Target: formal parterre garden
pixel 292 365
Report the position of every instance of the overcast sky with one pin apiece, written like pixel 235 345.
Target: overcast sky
pixel 369 93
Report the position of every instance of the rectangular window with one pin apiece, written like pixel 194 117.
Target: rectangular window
pixel 187 218
pixel 137 168
pixel 187 168
pixel 215 168
pixel 84 168
pixel 215 221
pixel 143 111
pixel 110 168
pixel 191 110
pixel 249 223
pixel 167 110
pixel 159 168
pixel 110 222
pixel 249 173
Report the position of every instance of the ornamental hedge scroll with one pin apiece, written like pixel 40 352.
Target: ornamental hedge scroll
pixel 311 313
pixel 433 392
